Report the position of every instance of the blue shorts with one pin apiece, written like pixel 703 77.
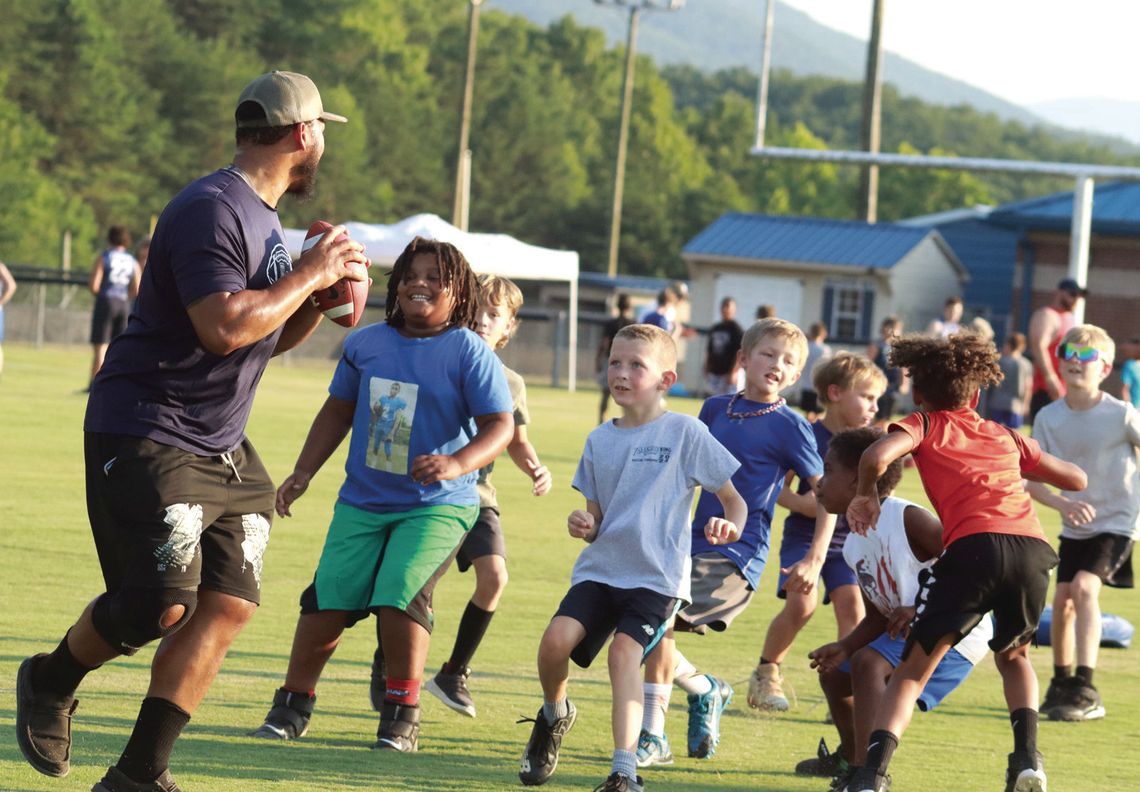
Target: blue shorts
pixel 835 572
pixel 951 671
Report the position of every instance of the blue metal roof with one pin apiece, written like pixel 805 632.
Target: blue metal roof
pixel 1116 210
pixel 806 239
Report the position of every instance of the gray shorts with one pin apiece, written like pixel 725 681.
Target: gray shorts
pixel 720 593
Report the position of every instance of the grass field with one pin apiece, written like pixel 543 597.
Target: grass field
pixel 48 572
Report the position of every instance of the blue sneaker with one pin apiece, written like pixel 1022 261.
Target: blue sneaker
pixel 653 750
pixel 704 718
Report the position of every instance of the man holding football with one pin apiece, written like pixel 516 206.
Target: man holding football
pixel 179 502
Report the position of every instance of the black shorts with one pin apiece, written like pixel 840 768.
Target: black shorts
pixel 165 518
pixel 1038 400
pixel 641 614
pixel 485 539
pixel 985 572
pixel 1106 555
pixel 108 319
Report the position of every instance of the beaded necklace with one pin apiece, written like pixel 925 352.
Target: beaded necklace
pixel 780 402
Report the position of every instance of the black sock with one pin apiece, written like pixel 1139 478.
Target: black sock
pixel 1085 674
pixel 148 751
pixel 472 628
pixel 880 749
pixel 1024 730
pixel 59 674
pixel 1062 671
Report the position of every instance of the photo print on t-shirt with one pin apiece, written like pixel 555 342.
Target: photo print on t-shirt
pixel 393 406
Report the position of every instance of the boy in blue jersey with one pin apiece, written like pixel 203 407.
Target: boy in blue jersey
pixel 849 388
pixel 769 439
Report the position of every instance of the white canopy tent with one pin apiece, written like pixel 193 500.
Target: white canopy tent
pixel 492 253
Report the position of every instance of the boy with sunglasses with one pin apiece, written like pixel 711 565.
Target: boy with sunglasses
pixel 1100 434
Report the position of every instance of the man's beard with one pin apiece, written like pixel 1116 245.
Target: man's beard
pixel 303 179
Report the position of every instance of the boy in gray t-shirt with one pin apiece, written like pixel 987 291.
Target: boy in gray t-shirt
pixel 638 475
pixel 1100 434
pixel 1009 401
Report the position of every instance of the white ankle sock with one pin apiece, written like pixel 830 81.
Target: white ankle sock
pixel 656 705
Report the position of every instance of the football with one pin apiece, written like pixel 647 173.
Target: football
pixel 343 302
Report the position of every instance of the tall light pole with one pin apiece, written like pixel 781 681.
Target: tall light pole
pixel 463 159
pixel 635 7
pixel 872 117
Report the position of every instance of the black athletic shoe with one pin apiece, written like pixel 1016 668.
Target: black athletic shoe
pixel 540 758
pixel 452 690
pixel 399 728
pixel 1025 773
pixel 117 781
pixel 825 763
pixel 1054 694
pixel 1078 702
pixel 43 724
pixel 378 685
pixel 841 780
pixel 865 779
pixel 288 718
pixel 616 782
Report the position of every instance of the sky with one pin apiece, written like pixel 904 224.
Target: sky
pixel 1023 50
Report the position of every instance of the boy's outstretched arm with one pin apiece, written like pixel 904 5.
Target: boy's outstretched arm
pixel 1074 512
pixel 526 459
pixel 721 530
pixel 494 431
pixel 332 423
pixel 832 655
pixel 1058 472
pixel 583 524
pixel 863 511
pixel 803 575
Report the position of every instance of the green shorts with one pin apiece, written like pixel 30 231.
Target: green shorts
pixel 388 560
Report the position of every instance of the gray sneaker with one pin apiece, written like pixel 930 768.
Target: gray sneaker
pixel 452 690
pixel 1078 702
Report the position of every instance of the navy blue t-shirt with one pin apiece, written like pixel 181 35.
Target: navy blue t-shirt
pixel 158 381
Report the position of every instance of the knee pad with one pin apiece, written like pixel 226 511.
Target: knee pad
pixel 132 617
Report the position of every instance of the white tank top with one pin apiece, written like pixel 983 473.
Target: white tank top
pixel 887 571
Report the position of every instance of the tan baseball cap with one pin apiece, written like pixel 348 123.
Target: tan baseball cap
pixel 287 98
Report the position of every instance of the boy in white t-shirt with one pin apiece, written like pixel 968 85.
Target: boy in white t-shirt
pixel 1100 434
pixel 638 475
pixel 888 562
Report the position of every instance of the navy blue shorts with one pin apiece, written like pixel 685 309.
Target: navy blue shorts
pixel 834 572
pixel 640 613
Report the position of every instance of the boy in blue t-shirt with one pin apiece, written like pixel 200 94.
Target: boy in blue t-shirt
pixel 397 524
pixel 769 439
pixel 849 388
pixel 638 475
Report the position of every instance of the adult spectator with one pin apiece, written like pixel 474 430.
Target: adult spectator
pixel 1129 378
pixel 602 355
pixel 1009 400
pixel 7 289
pixel 950 321
pixel 114 281
pixel 1047 326
pixel 765 312
pixel 178 499
pixel 721 362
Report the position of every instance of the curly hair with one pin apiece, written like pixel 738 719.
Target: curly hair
pixel 456 277
pixel 947 372
pixel 848 447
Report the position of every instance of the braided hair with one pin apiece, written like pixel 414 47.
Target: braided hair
pixel 456 277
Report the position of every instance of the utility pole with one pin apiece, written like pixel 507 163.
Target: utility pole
pixel 872 117
pixel 635 7
pixel 460 208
